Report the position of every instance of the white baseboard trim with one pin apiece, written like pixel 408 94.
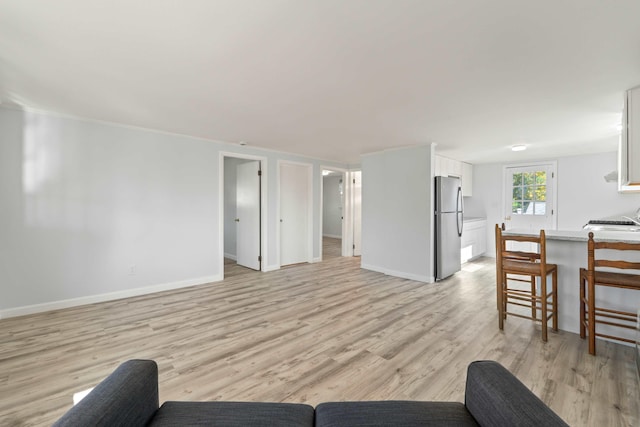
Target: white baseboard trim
pixel 333 236
pixel 401 274
pixel 110 296
pixel 271 268
pixel 230 256
pixel 318 259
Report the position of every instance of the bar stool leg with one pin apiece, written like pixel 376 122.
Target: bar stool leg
pixel 543 286
pixel 554 284
pixel 500 286
pixel 534 309
pixel 498 290
pixel 591 303
pixel 505 298
pixel 583 313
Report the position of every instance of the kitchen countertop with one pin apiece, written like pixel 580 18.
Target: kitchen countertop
pixel 582 235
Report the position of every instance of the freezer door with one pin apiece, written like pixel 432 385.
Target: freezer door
pixel 447 245
pixel 447 194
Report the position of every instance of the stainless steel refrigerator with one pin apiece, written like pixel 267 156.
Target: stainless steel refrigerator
pixel 448 225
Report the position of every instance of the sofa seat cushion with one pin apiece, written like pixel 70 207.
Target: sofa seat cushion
pixel 392 413
pixel 231 414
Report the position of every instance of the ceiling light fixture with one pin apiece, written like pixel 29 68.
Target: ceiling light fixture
pixel 518 147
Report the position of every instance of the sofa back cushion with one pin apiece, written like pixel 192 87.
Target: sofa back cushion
pixel 127 397
pixel 495 397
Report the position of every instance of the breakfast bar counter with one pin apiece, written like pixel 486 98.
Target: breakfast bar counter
pixel 582 236
pixel 568 249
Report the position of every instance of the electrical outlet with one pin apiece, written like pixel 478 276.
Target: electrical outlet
pixel 132 270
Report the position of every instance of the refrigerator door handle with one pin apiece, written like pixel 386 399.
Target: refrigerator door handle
pixel 459 212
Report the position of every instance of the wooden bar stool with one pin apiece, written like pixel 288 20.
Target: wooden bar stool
pixel 593 276
pixel 526 266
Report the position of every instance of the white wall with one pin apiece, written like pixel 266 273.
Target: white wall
pixel 397 213
pixel 91 211
pixel 332 206
pixel 583 194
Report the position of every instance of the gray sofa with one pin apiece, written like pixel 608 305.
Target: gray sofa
pixel 129 397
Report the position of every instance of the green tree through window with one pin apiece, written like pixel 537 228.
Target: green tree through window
pixel 529 195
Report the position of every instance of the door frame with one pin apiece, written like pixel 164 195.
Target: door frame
pixel 309 167
pixel 345 208
pixel 554 196
pixel 350 218
pixel 263 211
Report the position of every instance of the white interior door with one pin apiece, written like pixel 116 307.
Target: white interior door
pixel 294 213
pixel 357 213
pixel 248 214
pixel 529 198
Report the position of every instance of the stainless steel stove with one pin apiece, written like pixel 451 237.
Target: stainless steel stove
pixel 612 225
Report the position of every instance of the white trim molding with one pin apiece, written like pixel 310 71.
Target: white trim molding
pixel 110 296
pixel 401 274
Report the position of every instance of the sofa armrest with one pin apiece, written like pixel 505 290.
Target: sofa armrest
pixel 127 397
pixel 495 397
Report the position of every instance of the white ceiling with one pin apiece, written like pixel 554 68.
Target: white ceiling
pixel 334 79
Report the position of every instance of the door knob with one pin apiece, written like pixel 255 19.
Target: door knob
pixel 237 219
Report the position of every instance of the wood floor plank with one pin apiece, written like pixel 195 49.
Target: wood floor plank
pixel 309 333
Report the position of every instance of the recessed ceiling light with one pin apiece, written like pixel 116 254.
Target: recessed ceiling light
pixel 243 143
pixel 518 147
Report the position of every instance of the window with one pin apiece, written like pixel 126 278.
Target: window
pixel 529 193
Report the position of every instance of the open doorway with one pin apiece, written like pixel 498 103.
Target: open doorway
pixel 333 213
pixel 356 207
pixel 341 201
pixel 242 214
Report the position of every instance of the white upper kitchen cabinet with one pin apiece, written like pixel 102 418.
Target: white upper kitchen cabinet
pixel 444 166
pixel 467 179
pixel 437 169
pixel 629 153
pixel 454 167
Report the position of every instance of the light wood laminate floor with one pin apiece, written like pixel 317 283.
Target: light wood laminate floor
pixel 309 333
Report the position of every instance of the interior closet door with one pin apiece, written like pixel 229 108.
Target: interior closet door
pixel 295 214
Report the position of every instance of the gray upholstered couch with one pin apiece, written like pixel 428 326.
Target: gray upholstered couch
pixel 129 397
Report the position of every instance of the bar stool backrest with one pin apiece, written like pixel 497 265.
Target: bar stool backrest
pixel 503 253
pixel 604 271
pixel 594 263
